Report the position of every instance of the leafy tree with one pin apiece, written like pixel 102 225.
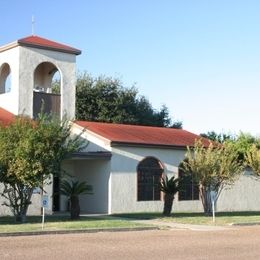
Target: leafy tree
pixel 73 189
pixel 213 168
pixel 105 99
pixel 253 158
pixel 30 153
pixel 169 187
pixel 243 144
pixel 218 137
pixel 55 86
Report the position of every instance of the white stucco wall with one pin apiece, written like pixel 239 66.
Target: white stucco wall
pixel 9 101
pixel 35 206
pixel 124 179
pixel 30 58
pixel 95 143
pixel 95 173
pixel 242 196
pixel 23 61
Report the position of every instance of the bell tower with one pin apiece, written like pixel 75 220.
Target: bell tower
pixel 28 82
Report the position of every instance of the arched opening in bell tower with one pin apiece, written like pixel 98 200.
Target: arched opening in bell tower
pixel 5 78
pixel 46 91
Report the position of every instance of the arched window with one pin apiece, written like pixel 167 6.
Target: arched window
pixel 189 187
pixel 47 78
pixel 149 173
pixel 5 78
pixel 46 93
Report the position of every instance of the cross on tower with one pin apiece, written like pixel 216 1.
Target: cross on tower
pixel 33 24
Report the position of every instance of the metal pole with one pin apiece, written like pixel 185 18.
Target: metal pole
pixel 213 210
pixel 43 217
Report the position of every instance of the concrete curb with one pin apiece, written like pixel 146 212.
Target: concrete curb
pixel 75 231
pixel 246 224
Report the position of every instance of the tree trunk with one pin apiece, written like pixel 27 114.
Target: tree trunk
pixel 20 218
pixel 74 207
pixel 18 199
pixel 204 193
pixel 168 201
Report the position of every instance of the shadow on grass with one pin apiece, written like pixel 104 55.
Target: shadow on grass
pixel 155 215
pixel 10 220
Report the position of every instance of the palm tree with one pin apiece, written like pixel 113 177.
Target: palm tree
pixel 169 187
pixel 73 189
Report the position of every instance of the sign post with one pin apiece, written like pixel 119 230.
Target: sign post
pixel 213 198
pixel 45 203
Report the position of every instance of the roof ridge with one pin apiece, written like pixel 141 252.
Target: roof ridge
pixel 43 43
pixel 122 124
pixel 142 135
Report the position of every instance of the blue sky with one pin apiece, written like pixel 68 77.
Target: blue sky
pixel 200 58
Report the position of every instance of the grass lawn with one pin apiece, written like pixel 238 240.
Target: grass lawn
pixel 53 223
pixel 64 223
pixel 222 218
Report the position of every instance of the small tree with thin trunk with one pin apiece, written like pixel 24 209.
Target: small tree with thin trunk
pixel 30 153
pixel 169 187
pixel 213 167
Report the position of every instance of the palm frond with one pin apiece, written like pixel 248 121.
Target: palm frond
pixel 74 188
pixel 170 186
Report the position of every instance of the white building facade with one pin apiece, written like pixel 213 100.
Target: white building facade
pixel 115 177
pixel 123 163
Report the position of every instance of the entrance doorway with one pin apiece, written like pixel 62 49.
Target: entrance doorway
pixel 56 194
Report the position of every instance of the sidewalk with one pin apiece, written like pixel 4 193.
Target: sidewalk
pixel 173 225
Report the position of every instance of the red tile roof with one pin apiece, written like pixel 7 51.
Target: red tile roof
pixel 6 117
pixel 130 134
pixel 142 135
pixel 39 42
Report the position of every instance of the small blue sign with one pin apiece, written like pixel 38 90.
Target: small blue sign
pixel 45 201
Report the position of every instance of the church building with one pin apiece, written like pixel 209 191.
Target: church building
pixel 123 163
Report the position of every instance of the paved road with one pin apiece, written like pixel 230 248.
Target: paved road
pixel 234 243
